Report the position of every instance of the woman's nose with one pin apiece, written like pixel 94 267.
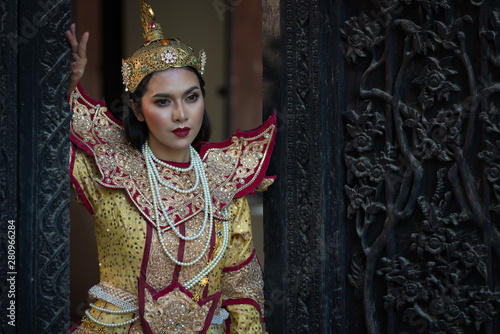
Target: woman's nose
pixel 178 113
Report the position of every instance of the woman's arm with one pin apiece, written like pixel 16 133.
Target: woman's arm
pixel 242 283
pixel 78 56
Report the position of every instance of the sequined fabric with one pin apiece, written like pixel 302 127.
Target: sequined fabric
pixel 111 180
pixel 235 168
pixel 244 319
pixel 120 228
pixel 174 312
pixel 244 283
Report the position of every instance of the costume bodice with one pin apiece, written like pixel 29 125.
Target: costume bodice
pixel 112 180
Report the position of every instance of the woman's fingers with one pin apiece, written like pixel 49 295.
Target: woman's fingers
pixel 82 46
pixel 71 36
pixel 78 56
pixel 78 49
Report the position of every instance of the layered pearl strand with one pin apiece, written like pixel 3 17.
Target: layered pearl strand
pixel 154 182
pixel 107 324
pixel 215 261
pixel 150 155
pixel 113 311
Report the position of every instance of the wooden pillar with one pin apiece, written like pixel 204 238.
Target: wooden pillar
pixel 34 179
pixel 302 227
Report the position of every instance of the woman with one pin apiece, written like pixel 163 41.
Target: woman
pixel 172 223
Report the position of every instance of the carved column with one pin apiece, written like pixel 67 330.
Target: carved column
pixel 8 152
pixel 303 232
pixel 34 154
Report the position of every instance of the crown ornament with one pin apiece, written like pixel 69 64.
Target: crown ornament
pixel 157 53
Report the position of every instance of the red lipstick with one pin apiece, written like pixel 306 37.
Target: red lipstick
pixel 181 132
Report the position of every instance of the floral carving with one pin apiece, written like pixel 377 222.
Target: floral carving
pixel 491 158
pixel 437 290
pixel 361 34
pixel 363 161
pixel 437 137
pixel 360 197
pixel 491 39
pixel 413 175
pixel 434 82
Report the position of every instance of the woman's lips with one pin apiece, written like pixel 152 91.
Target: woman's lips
pixel 181 132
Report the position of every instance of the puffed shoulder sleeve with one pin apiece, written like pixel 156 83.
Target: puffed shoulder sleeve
pixel 83 174
pixel 242 282
pixel 92 129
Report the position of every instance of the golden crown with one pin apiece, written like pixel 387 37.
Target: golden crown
pixel 157 53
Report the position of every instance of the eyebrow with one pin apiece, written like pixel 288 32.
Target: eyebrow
pixel 170 95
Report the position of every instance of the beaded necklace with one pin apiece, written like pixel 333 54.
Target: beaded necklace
pixel 155 180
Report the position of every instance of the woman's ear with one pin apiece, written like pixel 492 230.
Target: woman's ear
pixel 138 114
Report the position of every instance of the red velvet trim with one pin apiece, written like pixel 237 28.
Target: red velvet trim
pixel 77 185
pixel 228 325
pixel 147 249
pixel 72 158
pixel 141 284
pixel 247 134
pixel 241 265
pixel 247 301
pixel 132 324
pixel 75 326
pixel 180 253
pixel 215 301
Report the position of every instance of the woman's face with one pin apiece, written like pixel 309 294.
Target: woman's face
pixel 172 107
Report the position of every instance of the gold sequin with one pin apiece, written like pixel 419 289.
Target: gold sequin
pixel 244 319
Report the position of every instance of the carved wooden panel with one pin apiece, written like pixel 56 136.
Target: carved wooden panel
pixel 296 241
pixel 8 158
pixel 422 156
pixel 34 153
pixel 385 214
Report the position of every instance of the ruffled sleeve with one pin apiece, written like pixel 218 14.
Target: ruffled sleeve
pixel 242 282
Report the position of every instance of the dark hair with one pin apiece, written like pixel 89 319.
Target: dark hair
pixel 137 132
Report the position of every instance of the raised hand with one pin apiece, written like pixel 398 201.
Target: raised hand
pixel 78 56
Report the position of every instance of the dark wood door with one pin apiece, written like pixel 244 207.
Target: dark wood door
pixel 385 214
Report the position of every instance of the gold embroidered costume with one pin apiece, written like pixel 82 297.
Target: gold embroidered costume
pixel 142 290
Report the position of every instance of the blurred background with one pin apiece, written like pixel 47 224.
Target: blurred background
pixel 230 31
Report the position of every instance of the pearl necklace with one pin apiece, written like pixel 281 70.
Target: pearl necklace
pixel 155 180
pixel 149 155
pixel 157 201
pixel 215 261
pixel 113 311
